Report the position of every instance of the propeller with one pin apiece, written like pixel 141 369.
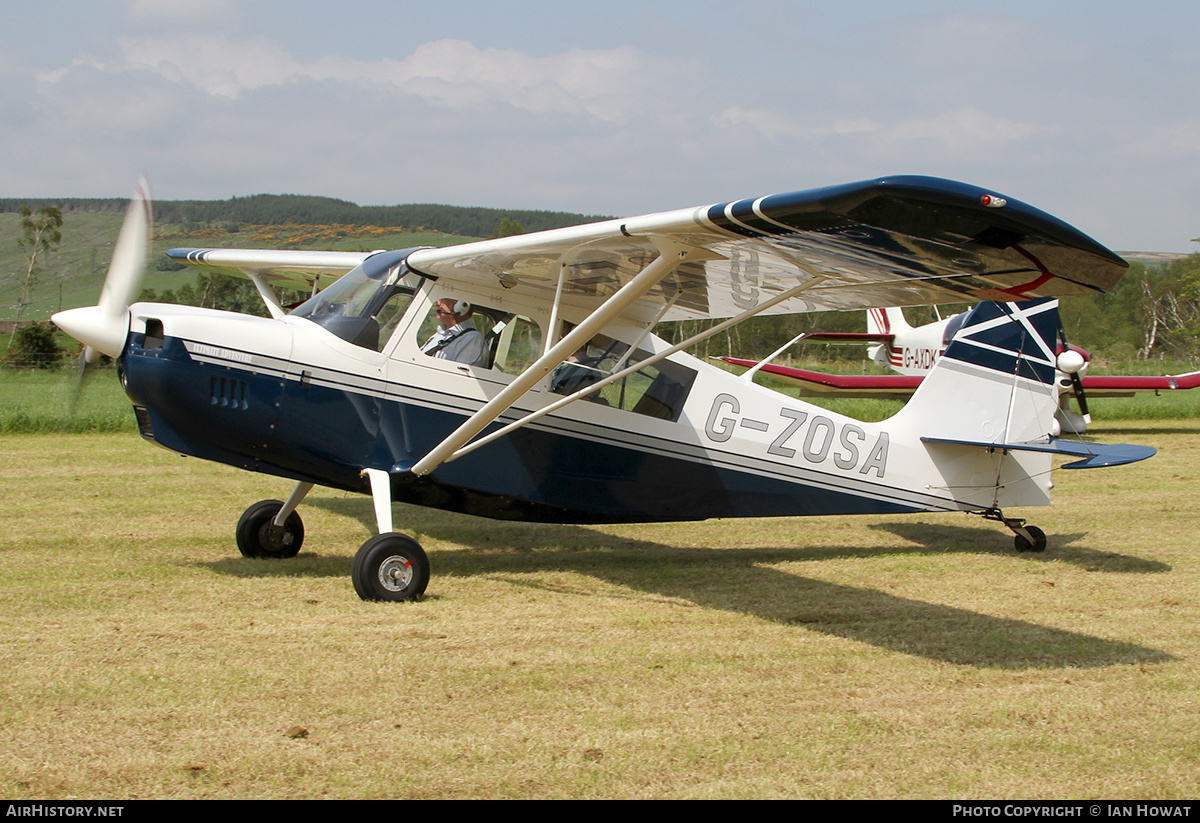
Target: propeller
pixel 103 328
pixel 1071 360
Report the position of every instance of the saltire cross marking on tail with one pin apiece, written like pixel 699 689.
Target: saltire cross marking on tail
pixel 1010 338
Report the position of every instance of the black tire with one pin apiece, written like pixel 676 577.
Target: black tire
pixel 1039 540
pixel 390 567
pixel 255 538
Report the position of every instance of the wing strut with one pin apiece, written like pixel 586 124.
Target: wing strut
pixel 749 376
pixel 268 295
pixel 672 254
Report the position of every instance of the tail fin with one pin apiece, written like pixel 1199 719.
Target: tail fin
pixel 985 413
pixel 994 386
pixel 885 321
pixel 996 379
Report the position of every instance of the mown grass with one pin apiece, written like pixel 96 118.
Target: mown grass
pixel 860 657
pixel 44 400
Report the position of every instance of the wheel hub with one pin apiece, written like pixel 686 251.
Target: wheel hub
pixel 395 573
pixel 274 538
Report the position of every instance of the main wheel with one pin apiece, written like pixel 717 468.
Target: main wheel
pixel 1039 540
pixel 390 566
pixel 257 538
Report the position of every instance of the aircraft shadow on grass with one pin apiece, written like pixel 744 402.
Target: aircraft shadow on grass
pixel 743 581
pixel 940 538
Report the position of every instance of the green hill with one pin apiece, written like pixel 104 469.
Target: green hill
pixel 73 274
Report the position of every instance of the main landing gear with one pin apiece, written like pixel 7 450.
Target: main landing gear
pixel 389 566
pixel 1025 538
pixel 259 536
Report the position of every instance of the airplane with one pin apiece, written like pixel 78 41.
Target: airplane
pixel 911 352
pixel 578 413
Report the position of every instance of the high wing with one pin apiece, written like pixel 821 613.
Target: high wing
pixel 267 268
pixel 894 241
pixel 296 269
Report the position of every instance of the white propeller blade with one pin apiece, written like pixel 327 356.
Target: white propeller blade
pixel 103 328
pixel 129 256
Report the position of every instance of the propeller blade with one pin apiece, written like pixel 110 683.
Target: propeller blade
pixel 129 256
pixel 103 328
pixel 1081 397
pixel 1075 369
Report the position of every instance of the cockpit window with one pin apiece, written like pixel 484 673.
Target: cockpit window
pixel 952 328
pixel 367 303
pixel 481 336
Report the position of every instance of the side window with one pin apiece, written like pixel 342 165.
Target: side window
pixel 658 390
pixel 517 343
pixel 389 317
pixel 480 336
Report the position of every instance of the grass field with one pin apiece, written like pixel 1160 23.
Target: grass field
pixel 859 657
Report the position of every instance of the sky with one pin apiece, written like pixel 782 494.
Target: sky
pixel 1085 110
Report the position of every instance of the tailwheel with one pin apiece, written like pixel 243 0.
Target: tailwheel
pixel 1024 545
pixel 258 536
pixel 1026 539
pixel 390 567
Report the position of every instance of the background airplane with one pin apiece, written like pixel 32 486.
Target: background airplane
pixel 912 351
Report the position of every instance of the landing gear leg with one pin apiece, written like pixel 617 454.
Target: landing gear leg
pixel 1026 538
pixel 389 566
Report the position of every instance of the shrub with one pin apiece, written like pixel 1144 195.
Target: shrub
pixel 34 346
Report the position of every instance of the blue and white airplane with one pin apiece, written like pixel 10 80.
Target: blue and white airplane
pixel 577 412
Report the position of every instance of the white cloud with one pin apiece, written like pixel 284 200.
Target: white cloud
pixel 1183 136
pixel 767 122
pixel 452 73
pixel 217 65
pixel 588 109
pixel 851 125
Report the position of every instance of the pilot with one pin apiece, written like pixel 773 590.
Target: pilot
pixel 456 337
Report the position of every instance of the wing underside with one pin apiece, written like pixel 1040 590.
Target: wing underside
pixel 893 241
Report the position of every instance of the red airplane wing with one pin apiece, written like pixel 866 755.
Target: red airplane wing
pixel 884 386
pixel 1128 385
pixel 898 387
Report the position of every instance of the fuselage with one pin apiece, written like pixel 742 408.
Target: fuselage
pixel 682 441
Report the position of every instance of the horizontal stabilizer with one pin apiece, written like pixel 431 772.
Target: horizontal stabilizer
pixel 1096 455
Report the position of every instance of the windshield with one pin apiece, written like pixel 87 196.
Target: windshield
pixel 369 297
